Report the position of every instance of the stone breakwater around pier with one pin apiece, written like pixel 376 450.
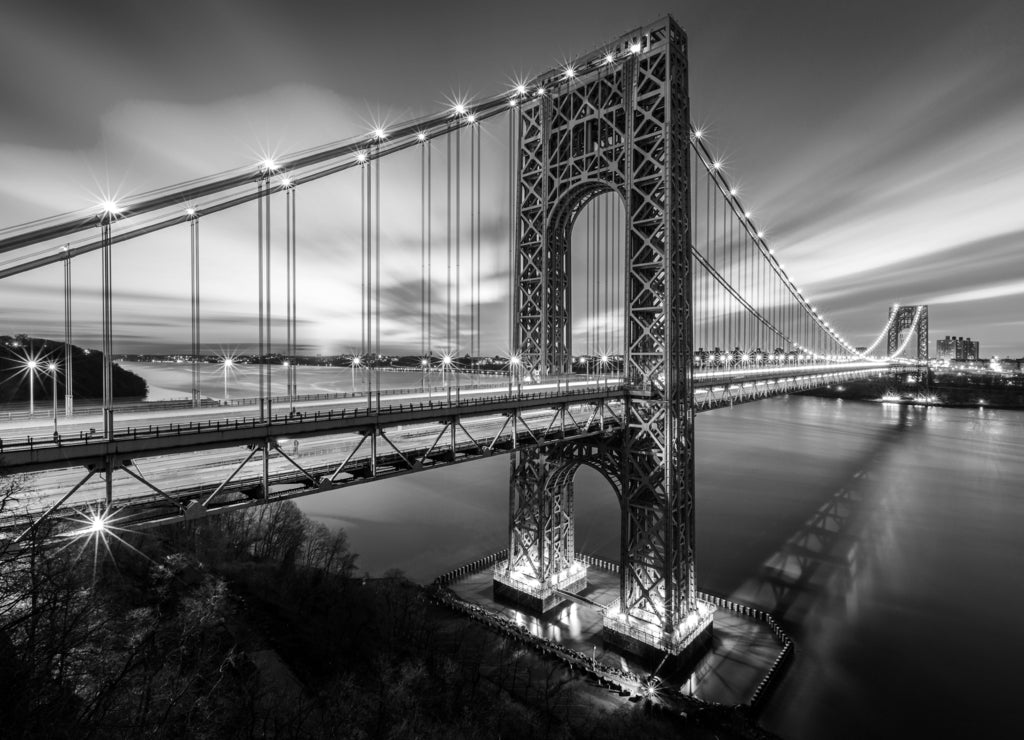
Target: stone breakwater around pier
pixel 625 683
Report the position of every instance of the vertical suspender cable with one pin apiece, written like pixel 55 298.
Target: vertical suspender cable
pixel 193 228
pixel 430 248
pixel 733 317
pixel 260 206
pixel 597 281
pixel 448 211
pixel 458 239
pixel 376 236
pixel 709 281
pixel 289 359
pixel 423 251
pixel 479 243
pixel 270 320
pixel 511 239
pixel 294 274
pixel 107 321
pixel 589 317
pixel 606 288
pixel 369 280
pixel 472 239
pixel 363 262
pixel 714 344
pixel 620 275
pixel 68 385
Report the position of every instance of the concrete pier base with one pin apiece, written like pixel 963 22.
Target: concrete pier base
pixel 649 643
pixel 529 594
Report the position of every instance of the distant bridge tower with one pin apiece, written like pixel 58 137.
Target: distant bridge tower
pixel 903 322
pixel 619 122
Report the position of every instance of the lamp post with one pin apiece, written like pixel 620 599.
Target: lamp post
pixel 288 386
pixel 446 363
pixel 228 363
pixel 513 371
pixel 31 365
pixel 52 367
pixel 353 365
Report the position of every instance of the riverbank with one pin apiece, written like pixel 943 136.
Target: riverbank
pixel 970 393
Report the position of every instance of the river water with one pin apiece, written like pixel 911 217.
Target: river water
pixel 887 539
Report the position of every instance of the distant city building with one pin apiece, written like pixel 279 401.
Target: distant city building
pixel 957 348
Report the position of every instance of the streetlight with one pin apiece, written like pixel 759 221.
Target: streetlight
pixel 52 367
pixel 31 365
pixel 446 364
pixel 289 385
pixel 228 363
pixel 513 367
pixel 353 365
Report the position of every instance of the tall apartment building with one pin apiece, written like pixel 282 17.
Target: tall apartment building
pixel 957 348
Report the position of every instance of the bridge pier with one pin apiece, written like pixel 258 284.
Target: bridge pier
pixel 541 555
pixel 623 130
pixel 651 642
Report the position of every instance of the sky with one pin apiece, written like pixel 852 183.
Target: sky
pixel 879 145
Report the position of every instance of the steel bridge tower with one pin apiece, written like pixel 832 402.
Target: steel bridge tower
pixel 904 321
pixel 621 126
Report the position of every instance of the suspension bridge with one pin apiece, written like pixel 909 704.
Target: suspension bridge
pixel 640 292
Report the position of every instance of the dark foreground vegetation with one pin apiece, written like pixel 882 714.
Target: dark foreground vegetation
pixel 87 372
pixel 253 624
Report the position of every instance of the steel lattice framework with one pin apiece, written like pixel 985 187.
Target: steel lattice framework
pixel 908 318
pixel 622 128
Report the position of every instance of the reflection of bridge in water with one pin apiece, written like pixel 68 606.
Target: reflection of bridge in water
pixel 623 232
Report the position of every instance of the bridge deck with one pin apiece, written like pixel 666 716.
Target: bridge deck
pixel 209 456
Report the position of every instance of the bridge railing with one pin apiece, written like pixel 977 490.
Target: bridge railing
pixel 283 421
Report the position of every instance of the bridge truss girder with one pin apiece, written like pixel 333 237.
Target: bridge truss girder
pixel 367 447
pixel 623 128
